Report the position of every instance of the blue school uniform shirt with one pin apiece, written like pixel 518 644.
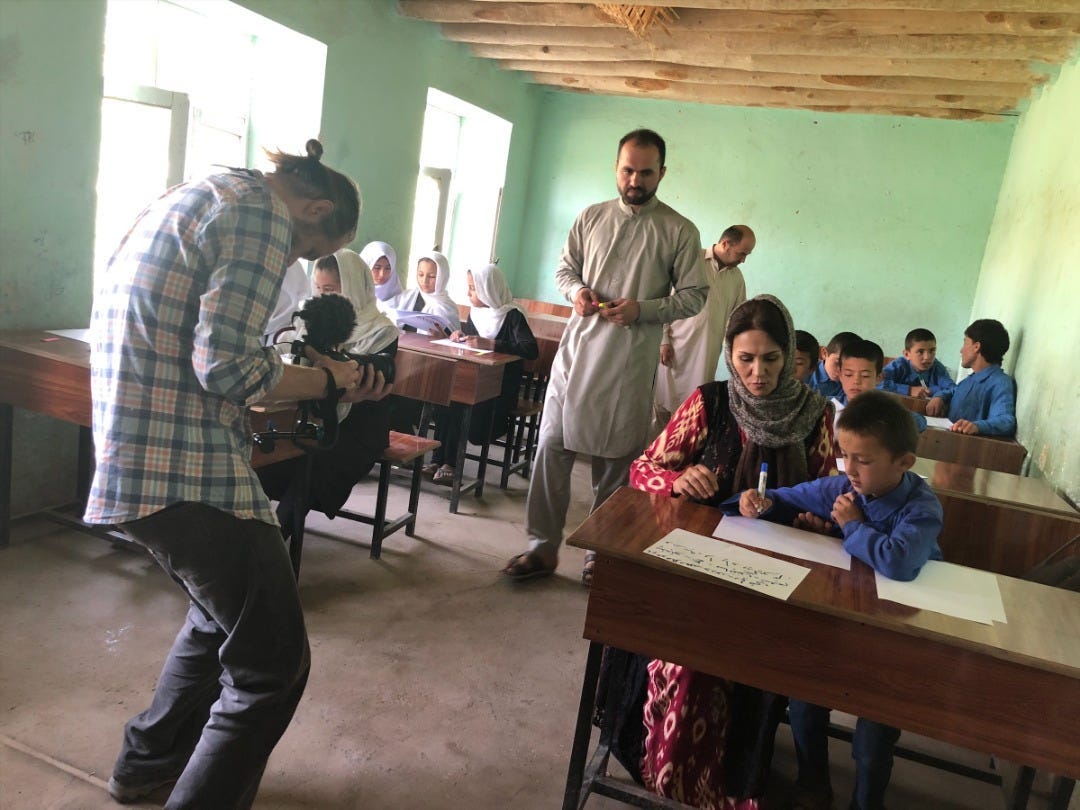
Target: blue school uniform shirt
pixel 987 398
pixel 819 381
pixel 899 532
pixel 899 376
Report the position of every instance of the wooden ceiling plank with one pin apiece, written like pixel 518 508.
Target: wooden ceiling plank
pixel 919 85
pixel 988 6
pixel 978 46
pixel 969 69
pixel 741 95
pixel 835 22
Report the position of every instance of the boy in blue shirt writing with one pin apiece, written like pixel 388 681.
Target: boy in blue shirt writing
pixel 985 402
pixel 826 377
pixel 889 519
pixel 918 373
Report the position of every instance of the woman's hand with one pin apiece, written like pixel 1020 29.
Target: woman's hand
pixel 697 481
pixel 457 336
pixel 477 342
pixel 752 505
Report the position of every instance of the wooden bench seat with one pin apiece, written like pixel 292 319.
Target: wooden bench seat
pixel 405 449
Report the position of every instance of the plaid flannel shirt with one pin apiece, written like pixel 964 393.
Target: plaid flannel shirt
pixel 175 350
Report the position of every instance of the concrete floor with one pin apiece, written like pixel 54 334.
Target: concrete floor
pixel 435 683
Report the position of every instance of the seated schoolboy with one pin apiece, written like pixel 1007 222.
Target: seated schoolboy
pixel 495 322
pixel 889 518
pixel 985 402
pixel 826 377
pixel 860 372
pixel 806 353
pixel 918 373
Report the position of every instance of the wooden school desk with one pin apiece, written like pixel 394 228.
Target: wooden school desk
pixel 988 452
pixel 1008 689
pixel 996 521
pixel 477 378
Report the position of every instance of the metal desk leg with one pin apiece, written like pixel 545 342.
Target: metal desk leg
pixel 575 774
pixel 459 465
pixel 7 415
pixel 85 471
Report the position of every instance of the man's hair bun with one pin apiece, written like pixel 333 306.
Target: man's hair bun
pixel 314 149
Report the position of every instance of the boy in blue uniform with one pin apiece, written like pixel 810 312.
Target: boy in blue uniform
pixel 985 402
pixel 826 377
pixel 806 352
pixel 918 373
pixel 860 371
pixel 889 519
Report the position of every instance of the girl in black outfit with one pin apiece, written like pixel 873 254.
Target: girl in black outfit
pixel 495 322
pixel 364 430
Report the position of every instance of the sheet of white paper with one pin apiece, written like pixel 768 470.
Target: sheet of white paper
pixel 784 540
pixel 939 422
pixel 463 346
pixel 950 589
pixel 767 575
pixel 74 334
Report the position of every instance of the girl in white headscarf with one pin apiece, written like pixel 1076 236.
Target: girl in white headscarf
pixel 429 295
pixel 364 429
pixel 382 259
pixel 495 322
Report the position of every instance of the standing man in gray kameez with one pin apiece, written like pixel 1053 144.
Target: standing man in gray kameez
pixel 629 266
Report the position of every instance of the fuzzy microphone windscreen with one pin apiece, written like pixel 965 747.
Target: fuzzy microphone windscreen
pixel 329 320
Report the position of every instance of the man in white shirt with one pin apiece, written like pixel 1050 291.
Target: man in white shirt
pixel 691 348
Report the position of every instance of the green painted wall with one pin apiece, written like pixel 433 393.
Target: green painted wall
pixel 378 69
pixel 1030 278
pixel 50 123
pixel 869 223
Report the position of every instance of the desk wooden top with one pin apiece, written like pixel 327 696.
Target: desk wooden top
pixel 1043 629
pixel 422 343
pixel 976 483
pixel 989 452
pixel 547 326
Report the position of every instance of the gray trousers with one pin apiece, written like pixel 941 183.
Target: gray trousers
pixel 237 668
pixel 549 484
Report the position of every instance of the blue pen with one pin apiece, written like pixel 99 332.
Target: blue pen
pixel 763 478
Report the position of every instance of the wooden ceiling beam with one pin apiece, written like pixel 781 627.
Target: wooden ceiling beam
pixel 766 96
pixel 994 70
pixel 917 85
pixel 977 46
pixel 985 6
pixel 857 22
pixel 955 114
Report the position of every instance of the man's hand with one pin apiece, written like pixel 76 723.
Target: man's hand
pixel 697 481
pixel 845 509
pixel 347 373
pixel 964 426
pixel 621 311
pixel 809 522
pixel 586 303
pixel 935 407
pixel 751 504
pixel 373 387
pixel 667 355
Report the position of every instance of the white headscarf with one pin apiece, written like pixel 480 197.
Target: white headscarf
pixel 294 289
pixel 374 331
pixel 388 292
pixel 438 302
pixel 492 289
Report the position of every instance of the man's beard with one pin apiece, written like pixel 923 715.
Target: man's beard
pixel 637 196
